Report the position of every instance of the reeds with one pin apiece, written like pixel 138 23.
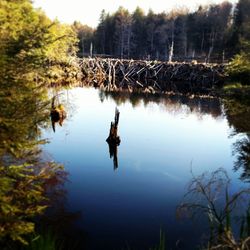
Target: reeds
pixel 209 195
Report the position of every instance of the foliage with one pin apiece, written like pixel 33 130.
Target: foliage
pixel 30 40
pixel 31 45
pixel 85 37
pixel 24 109
pixel 44 241
pixel 22 196
pixel 239 67
pixel 25 180
pixel 27 184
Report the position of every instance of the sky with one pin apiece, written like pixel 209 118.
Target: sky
pixel 88 11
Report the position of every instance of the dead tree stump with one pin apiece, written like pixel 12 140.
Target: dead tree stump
pixel 113 138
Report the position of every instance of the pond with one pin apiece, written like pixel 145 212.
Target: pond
pixel 125 201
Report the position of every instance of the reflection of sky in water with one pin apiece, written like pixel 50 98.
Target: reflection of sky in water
pixel 159 146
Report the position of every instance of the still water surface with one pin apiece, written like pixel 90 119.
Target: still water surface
pixel 162 141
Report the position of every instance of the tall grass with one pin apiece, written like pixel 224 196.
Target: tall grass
pixel 208 195
pixel 45 241
pixel 162 243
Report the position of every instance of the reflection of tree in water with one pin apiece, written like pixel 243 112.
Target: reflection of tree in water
pixel 242 149
pixel 173 104
pixel 24 111
pixel 58 219
pixel 238 115
pixel 28 184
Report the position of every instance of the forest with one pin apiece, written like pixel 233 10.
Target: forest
pixel 212 32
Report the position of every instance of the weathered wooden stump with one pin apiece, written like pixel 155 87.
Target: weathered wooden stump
pixel 113 138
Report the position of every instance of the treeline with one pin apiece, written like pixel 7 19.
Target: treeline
pixel 211 32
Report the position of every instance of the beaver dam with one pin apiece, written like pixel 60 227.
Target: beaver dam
pixel 151 76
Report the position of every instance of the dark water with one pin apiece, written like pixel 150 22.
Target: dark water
pixel 162 141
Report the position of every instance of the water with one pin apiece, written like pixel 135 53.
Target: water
pixel 162 142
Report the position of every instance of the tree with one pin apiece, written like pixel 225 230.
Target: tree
pixel 30 39
pixel 30 44
pixel 122 25
pixel 85 37
pixel 139 35
pixel 239 68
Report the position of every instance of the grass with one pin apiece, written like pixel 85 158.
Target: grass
pixel 162 243
pixel 234 85
pixel 45 241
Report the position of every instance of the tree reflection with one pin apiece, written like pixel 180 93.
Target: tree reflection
pixel 172 103
pixel 242 149
pixel 23 113
pixel 238 115
pixel 28 184
pixel 237 112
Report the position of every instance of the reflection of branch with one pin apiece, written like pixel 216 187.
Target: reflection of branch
pixel 242 150
pixel 208 194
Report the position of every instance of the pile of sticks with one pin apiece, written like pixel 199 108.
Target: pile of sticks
pixel 151 76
